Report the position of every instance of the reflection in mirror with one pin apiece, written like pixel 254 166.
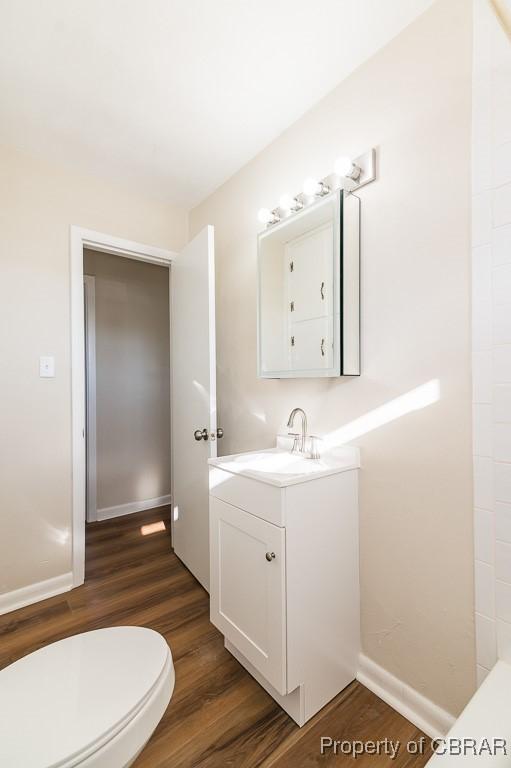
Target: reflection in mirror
pixel 309 291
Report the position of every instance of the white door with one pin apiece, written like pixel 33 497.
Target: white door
pixel 193 399
pixel 248 587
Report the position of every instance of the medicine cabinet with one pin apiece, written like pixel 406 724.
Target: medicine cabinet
pixel 309 291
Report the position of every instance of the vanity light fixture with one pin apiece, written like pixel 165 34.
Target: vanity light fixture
pixel 359 172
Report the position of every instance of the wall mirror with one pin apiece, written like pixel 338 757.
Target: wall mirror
pixel 309 291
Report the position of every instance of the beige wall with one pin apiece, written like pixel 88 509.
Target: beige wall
pixel 38 203
pixel 412 101
pixel 132 378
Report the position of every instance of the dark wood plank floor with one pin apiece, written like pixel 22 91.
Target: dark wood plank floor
pixel 219 716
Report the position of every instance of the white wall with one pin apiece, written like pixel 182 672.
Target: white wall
pixel 412 101
pixel 491 271
pixel 38 203
pixel 132 379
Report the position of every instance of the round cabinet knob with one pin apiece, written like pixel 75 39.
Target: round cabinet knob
pixel 270 556
pixel 201 434
pixel 220 433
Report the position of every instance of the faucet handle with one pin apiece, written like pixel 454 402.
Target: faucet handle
pixel 296 438
pixel 314 450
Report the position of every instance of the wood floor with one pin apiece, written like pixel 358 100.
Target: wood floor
pixel 219 717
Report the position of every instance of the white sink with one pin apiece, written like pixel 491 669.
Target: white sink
pixel 280 467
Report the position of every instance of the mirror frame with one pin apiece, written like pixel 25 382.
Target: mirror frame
pixel 346 276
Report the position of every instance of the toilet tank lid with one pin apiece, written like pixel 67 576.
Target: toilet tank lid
pixel 68 698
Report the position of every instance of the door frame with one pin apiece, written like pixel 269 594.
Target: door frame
pixel 89 284
pixel 81 238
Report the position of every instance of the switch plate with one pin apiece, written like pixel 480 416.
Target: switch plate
pixel 47 367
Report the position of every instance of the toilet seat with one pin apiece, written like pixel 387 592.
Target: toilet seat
pixel 90 700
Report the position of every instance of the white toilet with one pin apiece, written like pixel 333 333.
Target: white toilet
pixel 91 700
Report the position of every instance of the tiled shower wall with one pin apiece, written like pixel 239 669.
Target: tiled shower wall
pixel 491 318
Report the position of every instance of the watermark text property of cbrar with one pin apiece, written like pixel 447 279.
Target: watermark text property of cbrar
pixel 448 746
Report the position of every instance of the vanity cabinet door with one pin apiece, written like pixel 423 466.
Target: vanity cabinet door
pixel 248 587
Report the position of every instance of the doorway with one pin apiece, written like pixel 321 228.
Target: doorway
pixel 81 240
pixel 193 388
pixel 127 377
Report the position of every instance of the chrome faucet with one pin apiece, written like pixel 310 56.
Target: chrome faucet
pixel 290 423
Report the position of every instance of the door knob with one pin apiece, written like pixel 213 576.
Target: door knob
pixel 270 556
pixel 201 434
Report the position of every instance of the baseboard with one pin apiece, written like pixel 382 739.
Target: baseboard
pixel 429 717
pixel 132 506
pixel 18 598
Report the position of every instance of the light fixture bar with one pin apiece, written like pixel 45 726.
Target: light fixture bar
pixel 349 174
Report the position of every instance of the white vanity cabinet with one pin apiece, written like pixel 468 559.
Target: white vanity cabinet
pixel 284 573
pixel 248 599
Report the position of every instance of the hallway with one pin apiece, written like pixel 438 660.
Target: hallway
pixel 218 716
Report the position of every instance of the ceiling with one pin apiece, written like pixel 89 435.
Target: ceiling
pixel 173 96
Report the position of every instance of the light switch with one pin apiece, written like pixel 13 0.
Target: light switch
pixel 47 367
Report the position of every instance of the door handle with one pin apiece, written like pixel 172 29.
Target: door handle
pixel 322 291
pixel 203 434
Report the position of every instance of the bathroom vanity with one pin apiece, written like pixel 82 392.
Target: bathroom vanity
pixel 284 571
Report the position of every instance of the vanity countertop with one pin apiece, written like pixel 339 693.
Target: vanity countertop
pixel 280 467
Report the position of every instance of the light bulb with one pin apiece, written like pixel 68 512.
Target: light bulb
pixel 287 203
pixel 264 215
pixel 311 187
pixel 343 166
pixel 346 168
